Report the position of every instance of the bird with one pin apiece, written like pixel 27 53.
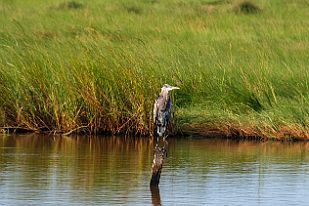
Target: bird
pixel 162 111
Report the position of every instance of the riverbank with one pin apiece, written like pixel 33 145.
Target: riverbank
pixel 96 67
pixel 246 132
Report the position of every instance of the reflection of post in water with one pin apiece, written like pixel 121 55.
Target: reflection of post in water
pixel 160 153
pixel 155 195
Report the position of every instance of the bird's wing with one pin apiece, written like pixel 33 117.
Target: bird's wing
pixel 167 112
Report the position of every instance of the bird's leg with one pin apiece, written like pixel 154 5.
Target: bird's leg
pixel 165 144
pixel 156 147
pixel 164 138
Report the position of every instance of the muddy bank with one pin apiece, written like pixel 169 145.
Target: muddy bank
pixel 248 132
pixel 223 131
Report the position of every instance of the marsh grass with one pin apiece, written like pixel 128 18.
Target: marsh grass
pixel 69 5
pixel 246 7
pixel 99 68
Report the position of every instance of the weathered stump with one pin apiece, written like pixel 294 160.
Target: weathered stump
pixel 159 156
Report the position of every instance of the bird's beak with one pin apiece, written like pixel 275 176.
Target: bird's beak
pixel 175 88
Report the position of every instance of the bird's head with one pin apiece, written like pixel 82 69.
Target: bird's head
pixel 167 87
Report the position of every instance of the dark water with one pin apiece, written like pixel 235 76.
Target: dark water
pixel 38 170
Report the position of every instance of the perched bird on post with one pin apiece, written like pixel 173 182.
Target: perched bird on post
pixel 162 111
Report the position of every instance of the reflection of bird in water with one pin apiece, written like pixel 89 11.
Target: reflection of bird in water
pixel 162 111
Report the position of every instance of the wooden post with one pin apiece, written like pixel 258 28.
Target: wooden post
pixel 160 153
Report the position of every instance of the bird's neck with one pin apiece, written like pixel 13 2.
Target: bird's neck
pixel 165 95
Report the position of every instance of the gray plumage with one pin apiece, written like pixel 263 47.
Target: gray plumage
pixel 162 111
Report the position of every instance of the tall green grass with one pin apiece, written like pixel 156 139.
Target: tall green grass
pixel 97 66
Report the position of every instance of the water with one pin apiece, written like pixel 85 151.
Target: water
pixel 39 170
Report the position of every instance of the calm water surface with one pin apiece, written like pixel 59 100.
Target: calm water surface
pixel 39 170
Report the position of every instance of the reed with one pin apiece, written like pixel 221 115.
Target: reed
pixel 97 66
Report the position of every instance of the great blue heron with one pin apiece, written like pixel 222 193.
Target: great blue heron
pixel 162 111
